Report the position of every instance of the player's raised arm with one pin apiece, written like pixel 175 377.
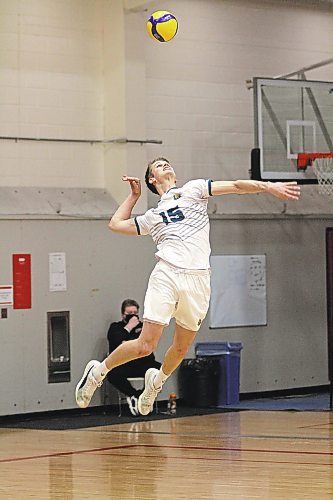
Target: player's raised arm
pixel 121 222
pixel 281 190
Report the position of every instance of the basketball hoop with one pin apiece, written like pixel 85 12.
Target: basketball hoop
pixel 322 164
pixel 323 168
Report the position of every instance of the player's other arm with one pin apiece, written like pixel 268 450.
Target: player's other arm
pixel 282 190
pixel 121 222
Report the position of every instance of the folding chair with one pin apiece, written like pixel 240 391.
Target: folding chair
pixel 138 383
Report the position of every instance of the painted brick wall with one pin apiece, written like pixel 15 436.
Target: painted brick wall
pixel 51 73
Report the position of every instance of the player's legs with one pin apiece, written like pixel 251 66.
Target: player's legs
pixel 187 294
pixel 182 341
pixel 95 372
pixel 192 307
pixel 160 303
pixel 154 379
pixel 159 306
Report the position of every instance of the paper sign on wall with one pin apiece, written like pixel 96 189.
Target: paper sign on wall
pixel 6 295
pixel 57 272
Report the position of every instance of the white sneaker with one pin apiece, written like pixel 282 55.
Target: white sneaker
pixel 132 402
pixel 147 398
pixel 87 386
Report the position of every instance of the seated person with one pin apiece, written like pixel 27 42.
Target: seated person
pixel 129 328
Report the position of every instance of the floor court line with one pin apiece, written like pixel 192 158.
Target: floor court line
pixel 63 453
pixel 316 426
pixel 214 459
pixel 202 448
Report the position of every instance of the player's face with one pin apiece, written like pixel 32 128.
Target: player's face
pixel 162 169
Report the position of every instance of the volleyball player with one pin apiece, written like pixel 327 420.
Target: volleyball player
pixel 179 285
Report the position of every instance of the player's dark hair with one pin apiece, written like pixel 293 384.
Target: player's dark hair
pixel 127 303
pixel 148 174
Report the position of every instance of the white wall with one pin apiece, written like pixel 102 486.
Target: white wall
pixel 51 77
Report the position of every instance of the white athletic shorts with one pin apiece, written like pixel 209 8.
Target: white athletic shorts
pixel 177 293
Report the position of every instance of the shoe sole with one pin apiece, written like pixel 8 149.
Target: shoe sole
pixel 140 397
pixel 89 366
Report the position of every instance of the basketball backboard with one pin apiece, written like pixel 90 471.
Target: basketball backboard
pixel 291 117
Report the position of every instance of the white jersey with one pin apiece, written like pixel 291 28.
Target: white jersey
pixel 179 225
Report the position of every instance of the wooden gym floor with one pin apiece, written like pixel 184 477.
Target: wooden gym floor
pixel 236 455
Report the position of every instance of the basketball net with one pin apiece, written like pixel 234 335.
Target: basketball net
pixel 323 168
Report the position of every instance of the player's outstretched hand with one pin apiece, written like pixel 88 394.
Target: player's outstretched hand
pixel 285 190
pixel 134 183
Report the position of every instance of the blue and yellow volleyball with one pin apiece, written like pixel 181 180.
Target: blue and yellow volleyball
pixel 162 26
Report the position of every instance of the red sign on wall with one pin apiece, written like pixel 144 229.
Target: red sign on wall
pixel 22 281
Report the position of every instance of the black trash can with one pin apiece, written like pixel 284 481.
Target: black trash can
pixel 228 356
pixel 198 382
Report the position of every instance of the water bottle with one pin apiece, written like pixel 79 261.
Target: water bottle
pixel 172 404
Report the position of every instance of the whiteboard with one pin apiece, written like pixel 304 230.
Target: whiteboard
pixel 238 291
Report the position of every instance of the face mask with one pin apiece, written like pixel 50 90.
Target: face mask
pixel 129 316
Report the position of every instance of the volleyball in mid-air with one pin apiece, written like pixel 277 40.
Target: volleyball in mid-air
pixel 162 26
